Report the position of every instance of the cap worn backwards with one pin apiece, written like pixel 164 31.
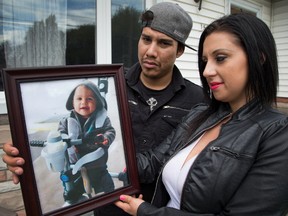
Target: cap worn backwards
pixel 170 19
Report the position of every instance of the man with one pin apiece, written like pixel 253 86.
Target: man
pixel 158 95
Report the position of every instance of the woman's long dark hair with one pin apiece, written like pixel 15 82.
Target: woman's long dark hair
pixel 259 45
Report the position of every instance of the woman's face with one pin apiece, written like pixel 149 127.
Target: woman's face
pixel 226 69
pixel 84 101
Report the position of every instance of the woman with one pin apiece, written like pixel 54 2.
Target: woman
pixel 231 157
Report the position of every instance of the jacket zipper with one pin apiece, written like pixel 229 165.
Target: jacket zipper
pixel 229 152
pixel 132 102
pixel 172 107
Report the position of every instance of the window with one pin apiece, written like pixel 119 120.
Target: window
pixel 235 6
pixel 81 32
pixel 235 10
pixel 125 37
pixel 64 32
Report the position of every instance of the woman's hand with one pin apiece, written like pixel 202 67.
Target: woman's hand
pixel 13 162
pixel 129 204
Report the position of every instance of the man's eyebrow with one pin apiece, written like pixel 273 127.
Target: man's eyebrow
pixel 145 35
pixel 161 40
pixel 166 40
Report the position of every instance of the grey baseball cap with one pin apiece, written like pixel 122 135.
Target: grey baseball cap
pixel 170 19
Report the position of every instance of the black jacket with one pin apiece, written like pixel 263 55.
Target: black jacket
pixel 150 129
pixel 243 172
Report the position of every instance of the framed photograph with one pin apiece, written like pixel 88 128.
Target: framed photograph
pixel 72 126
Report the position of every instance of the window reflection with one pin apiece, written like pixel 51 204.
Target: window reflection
pixel 63 32
pixel 126 30
pixel 34 33
pixel 81 33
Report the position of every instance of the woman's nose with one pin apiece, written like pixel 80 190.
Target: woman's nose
pixel 209 70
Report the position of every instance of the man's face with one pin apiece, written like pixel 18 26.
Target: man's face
pixel 157 53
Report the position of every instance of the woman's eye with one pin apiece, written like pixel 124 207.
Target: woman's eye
pixel 203 61
pixel 220 58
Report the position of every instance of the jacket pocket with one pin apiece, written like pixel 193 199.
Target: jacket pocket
pixel 231 153
pixel 173 115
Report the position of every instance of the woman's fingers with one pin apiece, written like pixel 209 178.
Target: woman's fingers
pixel 129 204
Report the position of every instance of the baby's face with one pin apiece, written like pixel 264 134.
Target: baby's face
pixel 84 101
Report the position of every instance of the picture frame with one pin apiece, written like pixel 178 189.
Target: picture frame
pixel 42 106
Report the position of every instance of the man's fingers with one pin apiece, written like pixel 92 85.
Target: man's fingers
pixel 10 157
pixel 13 165
pixel 9 149
pixel 13 161
pixel 15 170
pixel 15 179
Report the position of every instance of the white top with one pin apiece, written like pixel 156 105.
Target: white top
pixel 175 173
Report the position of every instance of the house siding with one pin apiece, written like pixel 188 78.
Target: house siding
pixel 210 11
pixel 279 26
pixel 273 13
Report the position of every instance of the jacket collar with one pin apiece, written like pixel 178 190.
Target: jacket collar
pixel 132 76
pixel 250 109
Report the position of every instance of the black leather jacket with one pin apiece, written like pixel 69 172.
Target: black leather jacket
pixel 151 128
pixel 243 172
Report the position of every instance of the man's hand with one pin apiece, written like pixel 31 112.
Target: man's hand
pixel 129 204
pixel 13 162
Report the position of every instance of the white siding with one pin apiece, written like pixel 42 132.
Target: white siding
pixel 280 31
pixel 210 11
pixel 272 12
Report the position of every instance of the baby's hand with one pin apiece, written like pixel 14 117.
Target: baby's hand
pixel 101 140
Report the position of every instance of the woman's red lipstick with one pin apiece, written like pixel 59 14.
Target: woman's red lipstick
pixel 214 85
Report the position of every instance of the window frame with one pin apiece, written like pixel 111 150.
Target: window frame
pixel 103 38
pixel 103 49
pixel 248 6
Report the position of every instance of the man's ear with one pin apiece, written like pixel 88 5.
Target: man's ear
pixel 180 50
